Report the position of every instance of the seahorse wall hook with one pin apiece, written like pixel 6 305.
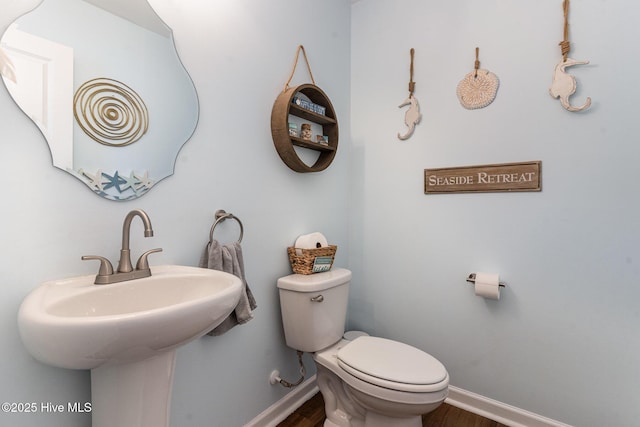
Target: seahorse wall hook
pixel 412 116
pixel 564 84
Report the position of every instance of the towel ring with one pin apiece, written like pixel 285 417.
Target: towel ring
pixel 221 215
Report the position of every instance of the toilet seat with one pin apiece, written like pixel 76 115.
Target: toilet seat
pixel 393 365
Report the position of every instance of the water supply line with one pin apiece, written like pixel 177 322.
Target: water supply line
pixel 275 375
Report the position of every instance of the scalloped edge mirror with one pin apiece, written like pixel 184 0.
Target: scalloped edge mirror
pixel 103 82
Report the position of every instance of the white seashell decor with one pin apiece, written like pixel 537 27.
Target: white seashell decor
pixel 478 89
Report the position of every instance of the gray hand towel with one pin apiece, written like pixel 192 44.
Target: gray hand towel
pixel 228 258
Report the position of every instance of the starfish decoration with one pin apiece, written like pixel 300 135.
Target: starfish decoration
pixel 144 182
pixel 113 181
pixel 95 181
pixel 129 182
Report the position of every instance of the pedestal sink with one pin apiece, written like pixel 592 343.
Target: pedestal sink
pixel 126 333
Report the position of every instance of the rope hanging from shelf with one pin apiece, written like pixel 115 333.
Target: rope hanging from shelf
pixel 295 64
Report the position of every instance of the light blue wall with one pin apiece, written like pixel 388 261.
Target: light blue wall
pixel 239 54
pixel 562 342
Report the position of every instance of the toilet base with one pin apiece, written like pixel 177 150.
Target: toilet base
pixel 329 423
pixel 346 406
pixel 386 422
pixel 389 414
pixel 377 420
pixel 339 408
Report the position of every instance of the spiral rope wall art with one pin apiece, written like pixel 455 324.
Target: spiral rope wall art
pixel 110 112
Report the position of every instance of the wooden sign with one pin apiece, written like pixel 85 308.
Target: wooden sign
pixel 523 176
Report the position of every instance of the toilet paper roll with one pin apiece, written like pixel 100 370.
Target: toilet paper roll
pixel 310 241
pixel 487 285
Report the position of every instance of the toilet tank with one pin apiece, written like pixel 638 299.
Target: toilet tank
pixel 314 308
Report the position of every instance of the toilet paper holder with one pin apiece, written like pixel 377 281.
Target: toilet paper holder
pixel 472 279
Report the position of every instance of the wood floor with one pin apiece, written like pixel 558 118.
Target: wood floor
pixel 311 414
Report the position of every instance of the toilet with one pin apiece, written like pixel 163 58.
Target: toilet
pixel 365 381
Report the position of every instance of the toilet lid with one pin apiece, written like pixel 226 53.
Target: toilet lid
pixel 392 364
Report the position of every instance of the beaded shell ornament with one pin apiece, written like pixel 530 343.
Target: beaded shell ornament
pixel 478 88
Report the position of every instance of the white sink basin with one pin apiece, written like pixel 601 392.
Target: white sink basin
pixel 126 332
pixel 72 323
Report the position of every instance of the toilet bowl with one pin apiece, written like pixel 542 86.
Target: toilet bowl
pixel 379 382
pixel 365 381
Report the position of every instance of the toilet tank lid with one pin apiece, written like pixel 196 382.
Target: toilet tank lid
pixel 315 282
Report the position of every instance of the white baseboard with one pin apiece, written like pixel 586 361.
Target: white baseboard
pixel 284 407
pixel 497 411
pixel 463 399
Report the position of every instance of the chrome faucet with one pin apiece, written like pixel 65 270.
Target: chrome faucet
pixel 125 269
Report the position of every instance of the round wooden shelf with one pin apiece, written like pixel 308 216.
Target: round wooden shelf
pixel 285 143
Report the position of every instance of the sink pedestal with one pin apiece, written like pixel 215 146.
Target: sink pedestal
pixel 126 333
pixel 134 394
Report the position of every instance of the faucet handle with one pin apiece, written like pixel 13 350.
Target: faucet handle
pixel 106 269
pixel 143 263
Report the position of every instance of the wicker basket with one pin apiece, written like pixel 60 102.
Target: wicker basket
pixel 312 260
